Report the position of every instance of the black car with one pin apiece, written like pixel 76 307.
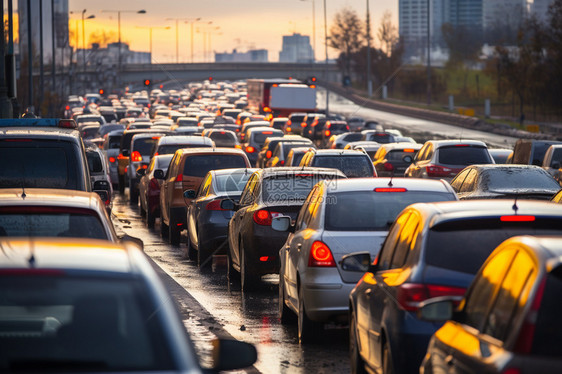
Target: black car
pixel 266 152
pixel 207 222
pixel 254 245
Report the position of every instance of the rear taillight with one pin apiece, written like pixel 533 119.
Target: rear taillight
pixel 250 149
pixel 136 157
pixel 437 171
pixel 288 123
pixel 263 217
pixel 524 341
pixel 289 129
pixel 214 205
pixel 238 146
pixel 410 295
pixel 388 166
pixel 320 255
pixel 327 133
pixel 282 162
pixel 155 154
pixel 179 178
pixel 268 154
pixel 511 371
pixel 390 189
pixel 112 159
pixel 121 157
pixel 517 218
pixel 303 124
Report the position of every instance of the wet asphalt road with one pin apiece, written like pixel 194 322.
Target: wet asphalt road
pixel 211 306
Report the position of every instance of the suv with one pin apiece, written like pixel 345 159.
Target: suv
pixel 354 164
pixel 255 140
pixel 142 146
pixel 110 146
pixel 294 124
pixel 389 159
pixel 270 143
pixel 186 171
pixel 530 151
pixel 42 153
pixel 443 159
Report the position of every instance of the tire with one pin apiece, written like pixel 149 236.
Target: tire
pixel 190 252
pixel 174 234
pixel 308 331
pixel 248 280
pixel 150 218
pixel 133 194
pixel 163 227
pixel 357 363
pixel 121 184
pixel 387 367
pixel 286 315
pixel 202 256
pixel 231 274
pixel 142 210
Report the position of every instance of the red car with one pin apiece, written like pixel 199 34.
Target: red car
pixel 149 187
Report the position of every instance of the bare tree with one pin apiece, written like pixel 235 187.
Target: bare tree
pixel 347 35
pixel 387 33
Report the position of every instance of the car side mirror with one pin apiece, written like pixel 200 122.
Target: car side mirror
pixel 126 153
pixel 281 223
pixel 438 309
pixel 101 185
pixel 233 354
pixel 408 159
pixel 131 239
pixel 359 262
pixel 141 172
pixel 159 174
pixel 189 194
pixel 228 204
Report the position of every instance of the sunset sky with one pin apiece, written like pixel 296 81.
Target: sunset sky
pixel 240 24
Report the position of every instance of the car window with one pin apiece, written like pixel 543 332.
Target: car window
pixel 94 162
pixel 456 183
pixel 500 180
pixel 406 241
pixel 470 181
pixel 205 186
pixel 292 189
pixel 387 250
pixel 484 288
pixel 512 297
pixel 463 155
pixel 234 182
pixel 199 165
pixel 548 326
pixel 352 166
pixel 248 193
pixel 144 146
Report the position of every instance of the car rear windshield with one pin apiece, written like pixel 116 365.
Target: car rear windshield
pixel 399 154
pixel 372 211
pixel 297 119
pixel 380 137
pixel 94 162
pixel 144 146
pixel 464 245
pixel 502 180
pixel 51 222
pixel 354 137
pixel 234 182
pixel 222 136
pixel 288 146
pixel 297 157
pixel 352 166
pixel 167 149
pixel 90 133
pixel 340 127
pixel 39 164
pixel 114 142
pixel 463 155
pixel 75 323
pixel 259 137
pixel 292 188
pixel 199 165
pixel 187 122
pixel 548 328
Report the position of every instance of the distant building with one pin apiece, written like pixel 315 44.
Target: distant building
pixel 109 57
pixel 296 48
pixel 504 16
pixel 256 55
pixel 539 8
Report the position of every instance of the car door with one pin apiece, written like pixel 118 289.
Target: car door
pixel 166 189
pixel 194 209
pixel 234 225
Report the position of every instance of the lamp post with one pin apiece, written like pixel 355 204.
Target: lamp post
pixel 369 82
pixel 326 62
pixel 142 11
pixel 187 20
pixel 428 56
pixel 214 29
pixel 192 21
pixel 313 31
pixel 204 31
pixel 84 39
pixel 150 35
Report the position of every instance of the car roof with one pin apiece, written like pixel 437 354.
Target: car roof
pixel 270 172
pixel 485 208
pixel 40 132
pixel 50 197
pixel 337 152
pixel 442 143
pixel 484 167
pixel 210 150
pixel 393 146
pixel 67 254
pixel 233 171
pixel 183 139
pixel 369 184
pixel 264 128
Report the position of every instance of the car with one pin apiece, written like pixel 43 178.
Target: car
pixel 224 138
pixel 337 218
pixel 444 159
pixel 90 118
pixel 332 128
pixel 356 124
pixel 552 162
pixel 389 159
pixel 268 147
pixel 432 250
pixel 339 141
pixel 42 153
pixel 382 137
pixel 169 144
pixel 248 125
pixel 279 122
pixel 72 305
pixel 557 198
pixel 281 152
pixel 89 130
pixel 369 147
pixel 504 181
pixel 295 156
pixel 99 173
pixel 354 164
pixel 187 169
pixel 184 122
pixel 41 212
pixel 255 139
pixel 317 127
pixel 142 146
pixel 149 187
pixel 510 314
pixel 293 125
pixel 531 151
pixel 308 131
pixel 500 155
pixel 254 245
pixel 110 146
pixel 207 223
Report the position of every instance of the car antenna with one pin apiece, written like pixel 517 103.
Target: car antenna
pixel 515 207
pixel 31 259
pixel 391 176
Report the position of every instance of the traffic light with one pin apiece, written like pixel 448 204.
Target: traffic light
pixel 210 79
pixel 147 82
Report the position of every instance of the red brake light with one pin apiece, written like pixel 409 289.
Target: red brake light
pixel 320 255
pixel 267 132
pixel 136 157
pixel 112 159
pixel 303 124
pixel 327 133
pixel 409 150
pixel 268 154
pixel 289 129
pixel 390 189
pixel 262 217
pixel 517 218
pixel 264 258
pixel 250 149
pixel 282 162
pixel 67 107
pixel 155 153
pixel 179 178
pixel 437 171
pixel 388 166
pixel 462 145
pixel 410 295
pixel 155 137
pixel 67 124
pixel 214 205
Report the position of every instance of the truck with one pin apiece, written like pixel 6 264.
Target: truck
pixel 280 97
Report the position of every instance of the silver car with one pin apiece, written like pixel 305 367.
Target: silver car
pixel 339 217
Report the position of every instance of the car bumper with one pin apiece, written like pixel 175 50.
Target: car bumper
pixel 262 249
pixel 327 299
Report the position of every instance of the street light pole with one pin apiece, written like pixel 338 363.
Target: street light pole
pixel 84 39
pixel 313 31
pixel 369 82
pixel 192 21
pixel 428 56
pixel 150 36
pixel 326 62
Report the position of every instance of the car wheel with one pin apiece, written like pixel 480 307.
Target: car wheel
pixel 121 184
pixel 150 218
pixel 174 234
pixel 231 274
pixel 202 255
pixel 248 280
pixel 357 363
pixel 387 367
pixel 142 210
pixel 286 315
pixel 163 227
pixel 133 194
pixel 308 330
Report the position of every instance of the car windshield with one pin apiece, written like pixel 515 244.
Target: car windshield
pixel 63 322
pixel 475 239
pixel 259 138
pixel 144 146
pixel 351 166
pixel 94 162
pixel 51 222
pixel 463 155
pixel 509 180
pixel 292 188
pixel 199 165
pixel 373 211
pixel 234 182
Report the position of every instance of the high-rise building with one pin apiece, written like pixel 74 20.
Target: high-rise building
pixel 508 14
pixel 412 25
pixel 539 8
pixel 254 55
pixel 296 48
